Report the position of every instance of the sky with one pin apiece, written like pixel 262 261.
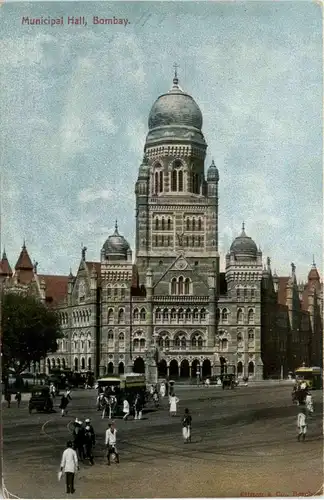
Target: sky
pixel 74 106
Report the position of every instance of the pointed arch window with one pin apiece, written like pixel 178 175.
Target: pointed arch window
pixel 188 314
pixel 187 286
pixel 156 224
pixel 161 182
pixel 158 314
pixel 251 316
pixel 180 285
pixel 135 314
pixel 200 342
pixel 177 342
pixel 180 180
pixel 224 345
pixel 174 180
pixel 194 341
pixel 188 224
pixel 173 314
pixel 169 224
pixel 174 286
pixel 163 223
pixel 192 241
pixel 136 344
pixel 167 343
pixel 165 314
pixel 143 314
pixel 195 314
pixel 183 343
pixel 203 314
pixel 110 316
pixel 225 315
pixel 110 338
pixel 156 182
pixel 240 316
pixel 193 224
pixel 199 224
pixel 180 314
pixel 121 316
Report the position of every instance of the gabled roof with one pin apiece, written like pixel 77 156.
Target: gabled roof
pixel 5 268
pixel 56 288
pixel 97 266
pixel 282 290
pixel 24 263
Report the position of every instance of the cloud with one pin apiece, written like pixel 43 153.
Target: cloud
pixel 91 194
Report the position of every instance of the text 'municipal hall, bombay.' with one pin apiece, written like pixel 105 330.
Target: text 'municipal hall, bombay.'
pixel 72 20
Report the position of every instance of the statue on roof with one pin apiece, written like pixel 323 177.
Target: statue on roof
pixel 83 252
pixel 293 268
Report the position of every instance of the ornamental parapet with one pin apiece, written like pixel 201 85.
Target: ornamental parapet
pixel 186 299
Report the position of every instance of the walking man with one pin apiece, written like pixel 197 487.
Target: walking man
pixel 88 444
pixel 69 465
pixel 301 424
pixel 111 441
pixel 309 404
pixel 8 397
pixel 18 398
pixel 186 426
pixel 126 409
pixel 173 401
pixel 78 438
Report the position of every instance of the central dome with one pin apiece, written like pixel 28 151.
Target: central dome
pixel 244 247
pixel 175 108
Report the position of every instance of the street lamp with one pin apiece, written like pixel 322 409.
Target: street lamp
pixel 198 373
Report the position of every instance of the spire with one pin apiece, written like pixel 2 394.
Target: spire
pixel 24 262
pixel 70 275
pixel 116 233
pixel 175 78
pixel 243 229
pixel 4 265
pixel 313 265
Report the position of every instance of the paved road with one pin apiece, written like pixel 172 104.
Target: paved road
pixel 243 444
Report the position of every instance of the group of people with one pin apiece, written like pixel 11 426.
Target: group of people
pixel 17 398
pixel 304 400
pixel 84 439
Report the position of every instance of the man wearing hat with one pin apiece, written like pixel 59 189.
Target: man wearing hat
pixel 91 429
pixel 78 438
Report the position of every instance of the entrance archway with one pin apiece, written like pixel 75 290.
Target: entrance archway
pixel 223 365
pixel 110 367
pixel 184 369
pixel 206 368
pixel 251 369
pixel 174 369
pixel 195 366
pixel 121 368
pixel 239 369
pixel 162 369
pixel 139 365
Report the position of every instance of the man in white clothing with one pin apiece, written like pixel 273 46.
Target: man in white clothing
pixel 111 441
pixel 301 424
pixel 126 409
pixel 69 465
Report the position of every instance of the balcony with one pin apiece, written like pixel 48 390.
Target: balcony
pixel 188 299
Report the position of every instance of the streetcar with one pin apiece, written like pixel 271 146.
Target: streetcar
pixel 312 376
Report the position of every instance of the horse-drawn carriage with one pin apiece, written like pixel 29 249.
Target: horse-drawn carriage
pixel 228 381
pixel 40 399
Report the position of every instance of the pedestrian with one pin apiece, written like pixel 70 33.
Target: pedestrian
pixel 125 409
pixel 87 422
pixel 309 403
pixel 186 426
pixel 138 407
pixel 8 397
pixel 301 424
pixel 207 382
pixel 69 465
pixel 64 402
pixel 18 398
pixel 88 444
pixel 173 401
pixel 78 438
pixel 111 442
pixel 162 390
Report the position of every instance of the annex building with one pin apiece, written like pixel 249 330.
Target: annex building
pixel 169 304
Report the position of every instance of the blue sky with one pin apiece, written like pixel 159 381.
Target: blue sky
pixel 75 103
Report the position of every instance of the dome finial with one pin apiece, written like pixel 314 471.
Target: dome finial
pixel 243 226
pixel 175 79
pixel 314 265
pixel 116 228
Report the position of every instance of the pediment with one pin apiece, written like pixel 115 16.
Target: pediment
pixel 180 263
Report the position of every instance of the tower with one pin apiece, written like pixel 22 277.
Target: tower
pixel 176 207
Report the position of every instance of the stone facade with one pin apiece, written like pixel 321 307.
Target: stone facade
pixel 173 313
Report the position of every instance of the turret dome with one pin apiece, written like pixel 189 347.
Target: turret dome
pixel 212 172
pixel 243 247
pixel 116 245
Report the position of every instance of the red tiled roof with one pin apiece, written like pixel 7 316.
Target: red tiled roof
pixel 56 287
pixel 282 292
pixel 24 262
pixel 5 266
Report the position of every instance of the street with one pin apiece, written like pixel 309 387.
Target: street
pixel 244 443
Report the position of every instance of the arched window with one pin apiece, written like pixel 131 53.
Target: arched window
pixel 89 364
pixel 180 286
pixel 142 344
pixel 240 316
pixel 110 338
pixel 167 343
pixel 165 314
pixel 194 341
pixel 200 342
pixel 110 316
pixel 174 180
pixel 199 224
pixel 158 314
pixel 121 338
pixel 143 314
pixel 183 343
pixel 251 316
pixel 188 314
pixel 251 336
pixel 121 316
pixel 169 224
pixel 156 224
pixel 188 225
pixel 225 315
pixel 163 223
pixel 63 364
pixel 156 182
pixel 238 294
pixel 192 241
pixel 224 344
pixel 173 314
pixel 82 364
pixel 239 340
pixel 203 314
pixel 161 182
pixel 177 342
pixel 161 342
pixel 180 180
pixel 239 368
pixel 76 364
pixel 195 314
pixel 135 314
pixel 180 314
pixel 187 286
pixel 193 224
pixel 109 291
pixel 136 344
pixel 253 293
pixel 251 368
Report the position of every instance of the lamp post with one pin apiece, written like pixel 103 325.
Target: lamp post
pixel 198 373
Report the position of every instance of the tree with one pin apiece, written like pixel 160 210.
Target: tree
pixel 29 331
